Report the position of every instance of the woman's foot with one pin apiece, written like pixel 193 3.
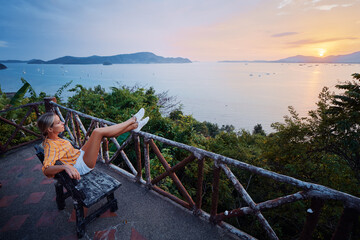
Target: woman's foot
pixel 141 124
pixel 140 114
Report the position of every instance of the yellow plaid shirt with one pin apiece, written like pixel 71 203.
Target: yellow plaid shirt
pixel 59 149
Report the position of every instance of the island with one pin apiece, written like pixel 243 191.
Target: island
pixel 2 66
pixel 133 58
pixel 36 61
pixel 13 61
pixel 348 58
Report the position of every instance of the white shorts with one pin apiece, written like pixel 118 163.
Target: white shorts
pixel 80 165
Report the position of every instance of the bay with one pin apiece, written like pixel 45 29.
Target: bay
pixel 241 94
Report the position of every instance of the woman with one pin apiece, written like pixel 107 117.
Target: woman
pixel 78 162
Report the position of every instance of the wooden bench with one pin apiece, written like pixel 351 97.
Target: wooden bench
pixel 90 189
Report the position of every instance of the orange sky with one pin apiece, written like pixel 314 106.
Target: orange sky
pixel 277 29
pixel 203 30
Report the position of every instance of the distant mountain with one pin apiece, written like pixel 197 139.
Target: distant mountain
pixel 243 61
pixel 141 57
pixel 36 61
pixel 299 59
pixel 349 58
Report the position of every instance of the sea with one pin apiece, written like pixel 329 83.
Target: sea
pixel 238 93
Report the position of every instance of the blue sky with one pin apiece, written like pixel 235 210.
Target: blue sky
pixel 202 30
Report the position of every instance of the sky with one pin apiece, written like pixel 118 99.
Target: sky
pixel 201 30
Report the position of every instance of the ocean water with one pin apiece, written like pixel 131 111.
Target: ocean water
pixel 241 94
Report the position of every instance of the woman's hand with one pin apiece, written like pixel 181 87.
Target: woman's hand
pixel 72 172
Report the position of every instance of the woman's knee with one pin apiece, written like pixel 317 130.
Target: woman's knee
pixel 97 132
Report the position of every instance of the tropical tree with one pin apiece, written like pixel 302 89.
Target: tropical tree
pixel 343 118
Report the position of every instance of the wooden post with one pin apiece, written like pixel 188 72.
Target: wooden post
pixel 215 193
pixel 48 106
pixel 78 134
pixel 345 225
pixel 36 109
pixel 100 154
pixel 147 162
pixel 199 183
pixel 74 130
pixel 312 218
pixel 138 157
pixel 105 145
pixel 106 150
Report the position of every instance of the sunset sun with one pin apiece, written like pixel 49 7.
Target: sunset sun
pixel 321 52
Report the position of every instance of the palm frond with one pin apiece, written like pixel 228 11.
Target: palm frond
pixel 19 95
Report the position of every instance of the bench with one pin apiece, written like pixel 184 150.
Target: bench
pixel 90 189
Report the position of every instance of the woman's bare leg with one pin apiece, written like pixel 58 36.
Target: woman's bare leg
pixel 92 146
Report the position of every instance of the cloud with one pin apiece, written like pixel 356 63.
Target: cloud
pixel 297 3
pixel 326 7
pixel 3 44
pixel 284 3
pixel 284 34
pixel 305 5
pixel 329 7
pixel 313 41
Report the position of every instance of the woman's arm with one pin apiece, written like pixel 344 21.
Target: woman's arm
pixel 70 170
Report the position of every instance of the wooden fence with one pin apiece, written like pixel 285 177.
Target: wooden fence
pixel 318 194
pixel 32 107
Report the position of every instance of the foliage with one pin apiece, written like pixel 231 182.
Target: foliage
pixel 342 117
pixel 61 89
pixel 17 115
pixel 26 94
pixel 259 130
pixel 15 100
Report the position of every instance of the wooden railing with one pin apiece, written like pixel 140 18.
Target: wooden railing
pixel 309 191
pixel 32 107
pixel 318 194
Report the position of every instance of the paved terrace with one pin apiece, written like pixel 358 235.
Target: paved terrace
pixel 28 208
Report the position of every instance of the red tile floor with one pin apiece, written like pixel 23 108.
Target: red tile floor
pixel 28 207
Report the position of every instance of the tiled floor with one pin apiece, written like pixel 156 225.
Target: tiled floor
pixel 7 200
pixel 30 201
pixel 34 201
pixel 14 223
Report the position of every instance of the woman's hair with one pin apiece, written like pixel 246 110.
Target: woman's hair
pixel 45 121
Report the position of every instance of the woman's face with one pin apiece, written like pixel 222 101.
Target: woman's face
pixel 58 125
